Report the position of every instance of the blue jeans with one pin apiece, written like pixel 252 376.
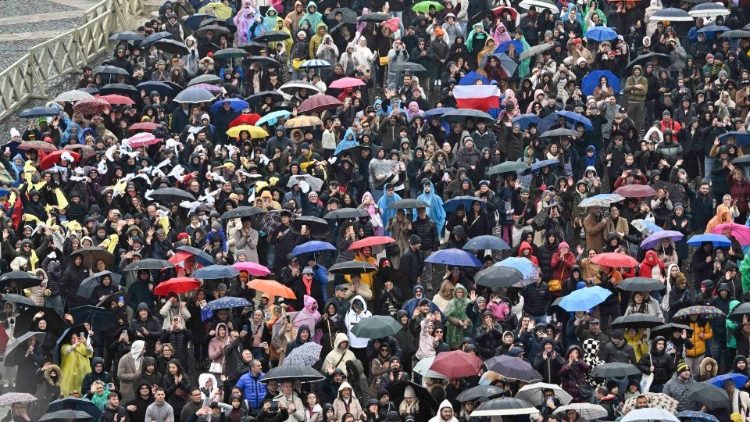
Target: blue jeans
pixel 708 165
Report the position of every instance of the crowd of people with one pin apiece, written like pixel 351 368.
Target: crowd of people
pixel 349 211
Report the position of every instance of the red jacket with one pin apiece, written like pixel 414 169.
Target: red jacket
pixel 561 267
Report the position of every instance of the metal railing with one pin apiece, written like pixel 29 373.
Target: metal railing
pixel 47 63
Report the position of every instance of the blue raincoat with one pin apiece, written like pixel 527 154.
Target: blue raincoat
pixel 386 213
pixel 435 209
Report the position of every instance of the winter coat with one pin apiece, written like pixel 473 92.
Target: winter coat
pixel 573 375
pixel 699 342
pixel 662 363
pixel 128 369
pixel 678 390
pixel 610 353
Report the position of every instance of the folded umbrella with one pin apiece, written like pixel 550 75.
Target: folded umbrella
pixel 582 300
pixel 641 284
pixel 374 17
pixel 654 240
pixel 214 272
pixel 486 241
pixel 456 364
pixel 376 326
pixel 717 240
pixel 272 288
pixel 453 257
pixel 498 277
pixel 534 393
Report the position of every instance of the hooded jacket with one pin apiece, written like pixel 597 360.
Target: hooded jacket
pixel 353 318
pixel 337 358
pixel 660 360
pixel 95 376
pixel 445 404
pixel 352 405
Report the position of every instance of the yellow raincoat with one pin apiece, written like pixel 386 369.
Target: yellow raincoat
pixel 74 366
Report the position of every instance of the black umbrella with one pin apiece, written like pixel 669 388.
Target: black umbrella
pixel 272 36
pixel 126 36
pixel 743 160
pixel 199 255
pixel 352 267
pixel 65 415
pixel 561 132
pixel 66 336
pixel 641 284
pixel 21 340
pixel 163 35
pixel 33 113
pixel 498 277
pixel 205 79
pixel 241 212
pixel 72 403
pixel 300 373
pixel 507 167
pixel 18 299
pixel 374 17
pixel 217 29
pixel 637 321
pixel 396 393
pixel 92 254
pixel 615 370
pixel 513 368
pixel 317 227
pixel 25 320
pixel 710 395
pixel 150 264
pixel 346 12
pixel 480 392
pixel 194 95
pixel 346 213
pixel 736 314
pixel 376 326
pixel 410 66
pixel 408 204
pixel 158 86
pixel 253 47
pixel 736 33
pixel 87 286
pixel 265 61
pixel 230 53
pixel 110 70
pixel 663 59
pixel 460 115
pixel 666 330
pixel 171 195
pixel 172 47
pixel 257 98
pixel 123 89
pixel 19 280
pixel 99 318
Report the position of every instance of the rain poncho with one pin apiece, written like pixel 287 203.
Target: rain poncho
pixel 74 366
pixel 386 213
pixel 435 211
pixel 73 134
pixel 349 141
pixel 271 20
pixel 243 20
pixel 455 311
pixel 313 17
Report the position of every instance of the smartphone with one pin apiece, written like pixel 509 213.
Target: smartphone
pixel 274 406
pixel 244 328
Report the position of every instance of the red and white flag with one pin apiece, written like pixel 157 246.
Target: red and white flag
pixel 478 97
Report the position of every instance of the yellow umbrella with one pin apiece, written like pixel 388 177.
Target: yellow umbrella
pixel 255 132
pixel 218 9
pixel 303 121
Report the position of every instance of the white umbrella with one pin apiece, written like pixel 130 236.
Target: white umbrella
pixel 649 414
pixel 534 393
pixel 709 10
pixel 540 4
pixel 423 368
pixel 503 406
pixel 671 14
pixel 73 96
pixel 292 86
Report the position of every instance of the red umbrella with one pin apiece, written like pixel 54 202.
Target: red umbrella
pixel 346 83
pixel 179 257
pixel 54 158
pixel 318 103
pixel 177 285
pixel 91 107
pixel 144 127
pixel 37 145
pixel 116 99
pixel 498 11
pixel 371 241
pixel 614 259
pixel 456 364
pixel 245 119
pixel 85 150
pixel 635 191
pixel 143 140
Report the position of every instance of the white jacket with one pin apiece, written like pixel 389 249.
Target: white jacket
pixel 354 318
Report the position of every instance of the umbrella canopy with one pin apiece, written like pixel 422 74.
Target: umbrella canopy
pixel 587 411
pixel 352 267
pixel 213 272
pixel 408 204
pixel 409 66
pixel 602 200
pixel 236 105
pixel 273 117
pixel 194 95
pixel 177 285
pixel 227 302
pixel 171 196
pixel 584 299
pixel 31 113
pixel 252 268
pixel 19 280
pixel 302 122
pixel 272 288
pixel 312 246
pixel 658 400
pixel 110 70
pixel 557 133
pixel 142 140
pixel 255 132
pixel 291 87
pixel 241 212
pixel 635 191
pixel 513 368
pixel 504 406
pixel 346 214
pixel 591 80
pixel 423 368
pixel 641 284
pixel 527 268
pixel 734 377
pixel 614 370
pixel 20 341
pixel 150 264
pixel 536 50
pixel 73 96
pixel 481 392
pixel 317 227
pixel 87 286
pixel 540 4
pixel 709 395
pixel 694 416
pixel 453 257
pixel 655 239
pixel 707 312
pixel 486 241
pixel 18 299
pixel 272 36
pixel 600 34
pixel 465 201
pixel 709 10
pixel 315 64
pixel 376 326
pixel 374 17
pixel 126 36
pixel 199 255
pixel 318 103
pixel 37 145
pixel 346 82
pixel 637 321
pixel 576 118
pixel 614 259
pixel 736 33
pixel 672 14
pixel 716 240
pixel 456 364
pixel 101 319
pixel 156 37
pixel 171 47
pixel 9 398
pixel 508 65
pixel 666 330
pixel 218 31
pixel 245 119
pixel 93 254
pixel 205 79
pixel 118 88
pixel 534 393
pixel 314 183
pixel 72 403
pixel 498 277
pixel 738 231
pixel 26 318
pixel 91 107
pixel 741 138
pixel 115 99
pixel 66 415
pixel 160 87
pixel 459 115
pixel 507 167
pixel 307 354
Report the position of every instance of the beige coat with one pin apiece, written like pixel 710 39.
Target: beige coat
pixel 128 370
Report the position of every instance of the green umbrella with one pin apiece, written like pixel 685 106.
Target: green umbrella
pixel 424 6
pixel 376 326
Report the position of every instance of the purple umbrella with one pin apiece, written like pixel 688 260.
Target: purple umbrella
pixel 654 240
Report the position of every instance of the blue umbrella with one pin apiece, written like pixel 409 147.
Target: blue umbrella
pixel 502 48
pixel 227 302
pixel 273 117
pixel 590 81
pixel 453 257
pixel 452 204
pixel 712 29
pixel 576 117
pixel 472 77
pixel 526 267
pixel 543 163
pixel 158 86
pixel 194 21
pixel 315 64
pixel 653 240
pixel 73 403
pixel 346 145
pixel 486 241
pixel 547 122
pixel 34 112
pixel 525 120
pixel 584 299
pixel 156 37
pixel 213 272
pixel 695 416
pixel 437 112
pixel 312 247
pixel 237 105
pixel 194 96
pixel 717 240
pixel 719 380
pixel 509 65
pixel 601 33
pixel 646 227
pixel 742 138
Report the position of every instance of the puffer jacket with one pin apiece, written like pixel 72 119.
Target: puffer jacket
pixel 610 353
pixel 574 375
pixel 678 390
pixel 536 298
pixel 699 344
pixel 661 361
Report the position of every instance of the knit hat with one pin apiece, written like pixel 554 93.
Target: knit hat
pixel 682 366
